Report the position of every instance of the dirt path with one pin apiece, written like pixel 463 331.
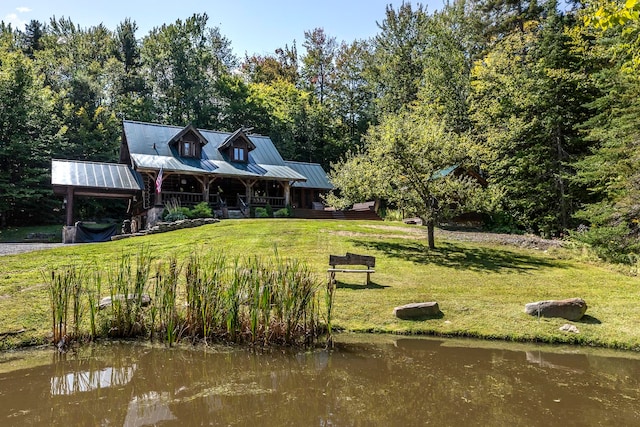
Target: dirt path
pixel 519 240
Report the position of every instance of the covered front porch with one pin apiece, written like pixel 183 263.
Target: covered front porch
pixel 218 192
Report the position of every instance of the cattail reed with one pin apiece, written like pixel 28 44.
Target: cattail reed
pixel 206 296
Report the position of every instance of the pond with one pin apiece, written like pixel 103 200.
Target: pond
pixel 364 380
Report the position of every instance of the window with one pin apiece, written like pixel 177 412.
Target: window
pixel 186 149
pixel 238 154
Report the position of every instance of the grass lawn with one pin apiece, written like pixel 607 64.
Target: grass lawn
pixel 481 287
pixel 53 233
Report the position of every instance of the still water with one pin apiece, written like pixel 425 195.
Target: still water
pixel 363 381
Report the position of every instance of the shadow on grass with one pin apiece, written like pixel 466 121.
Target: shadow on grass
pixel 590 320
pixel 453 256
pixel 353 286
pixel 440 315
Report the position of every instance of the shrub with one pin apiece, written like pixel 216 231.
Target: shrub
pixel 261 213
pixel 614 244
pixel 201 210
pixel 269 210
pixel 283 213
pixel 174 212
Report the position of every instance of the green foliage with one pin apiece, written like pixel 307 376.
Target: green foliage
pixel 261 213
pixel 404 161
pixel 174 212
pixel 528 99
pixel 611 243
pixel 269 210
pixel 254 299
pixel 285 212
pixel 201 210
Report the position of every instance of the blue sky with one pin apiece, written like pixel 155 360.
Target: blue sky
pixel 253 26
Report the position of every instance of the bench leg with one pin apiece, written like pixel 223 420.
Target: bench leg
pixel 332 279
pixel 368 279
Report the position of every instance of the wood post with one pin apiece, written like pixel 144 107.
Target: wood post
pixel 69 206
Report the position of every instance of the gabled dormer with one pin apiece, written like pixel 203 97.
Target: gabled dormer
pixel 188 142
pixel 237 147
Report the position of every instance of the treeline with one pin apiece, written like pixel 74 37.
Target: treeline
pixel 542 101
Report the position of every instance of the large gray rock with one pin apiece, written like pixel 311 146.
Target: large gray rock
pixel 417 310
pixel 570 309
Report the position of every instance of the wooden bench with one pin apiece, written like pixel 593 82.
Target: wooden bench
pixel 351 259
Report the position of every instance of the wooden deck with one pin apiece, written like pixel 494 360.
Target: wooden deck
pixel 336 215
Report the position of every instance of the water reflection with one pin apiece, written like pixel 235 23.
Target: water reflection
pixel 365 380
pixel 76 382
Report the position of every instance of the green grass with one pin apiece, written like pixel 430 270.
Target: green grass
pixel 481 288
pixel 20 234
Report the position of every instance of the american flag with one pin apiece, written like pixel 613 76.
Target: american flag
pixel 159 181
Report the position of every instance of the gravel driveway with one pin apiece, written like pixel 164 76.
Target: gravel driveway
pixel 18 248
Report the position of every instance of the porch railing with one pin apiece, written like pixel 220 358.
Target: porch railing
pixel 186 199
pixel 275 202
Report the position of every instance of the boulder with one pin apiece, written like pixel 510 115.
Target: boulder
pixel 417 310
pixel 107 301
pixel 570 309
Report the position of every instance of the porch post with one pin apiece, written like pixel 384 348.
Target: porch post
pixel 287 193
pixel 69 206
pixel 247 191
pixel 205 188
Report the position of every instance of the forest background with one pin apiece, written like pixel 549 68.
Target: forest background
pixel 543 102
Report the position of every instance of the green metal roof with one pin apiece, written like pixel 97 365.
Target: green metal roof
pixel 107 176
pixel 316 176
pixel 149 148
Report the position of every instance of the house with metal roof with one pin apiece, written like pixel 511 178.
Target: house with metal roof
pixel 161 163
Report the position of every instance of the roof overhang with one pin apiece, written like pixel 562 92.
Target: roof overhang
pixel 94 179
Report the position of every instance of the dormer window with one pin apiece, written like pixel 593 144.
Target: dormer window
pixel 188 142
pixel 238 154
pixel 187 149
pixel 236 147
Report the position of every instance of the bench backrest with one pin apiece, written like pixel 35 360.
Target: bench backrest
pixel 352 259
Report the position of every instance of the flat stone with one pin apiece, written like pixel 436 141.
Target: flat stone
pixel 417 310
pixel 569 328
pixel 107 301
pixel 570 309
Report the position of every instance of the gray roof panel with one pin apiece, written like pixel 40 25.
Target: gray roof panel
pixel 316 176
pixel 95 175
pixel 149 148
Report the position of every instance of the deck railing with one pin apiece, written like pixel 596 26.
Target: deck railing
pixel 275 202
pixel 186 199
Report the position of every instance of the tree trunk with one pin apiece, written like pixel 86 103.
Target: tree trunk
pixel 430 237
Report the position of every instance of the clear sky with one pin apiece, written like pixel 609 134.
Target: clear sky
pixel 254 26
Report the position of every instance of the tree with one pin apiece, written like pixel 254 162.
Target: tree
pixel 351 97
pixel 453 41
pixel 399 58
pixel 527 102
pixel 28 134
pixel 32 37
pixel 403 161
pixel 182 62
pixel 610 172
pixel 317 62
pixel 267 69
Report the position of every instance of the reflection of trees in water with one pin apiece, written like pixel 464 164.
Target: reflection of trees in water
pixel 401 382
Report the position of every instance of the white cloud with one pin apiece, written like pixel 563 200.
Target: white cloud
pixel 23 9
pixel 15 21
